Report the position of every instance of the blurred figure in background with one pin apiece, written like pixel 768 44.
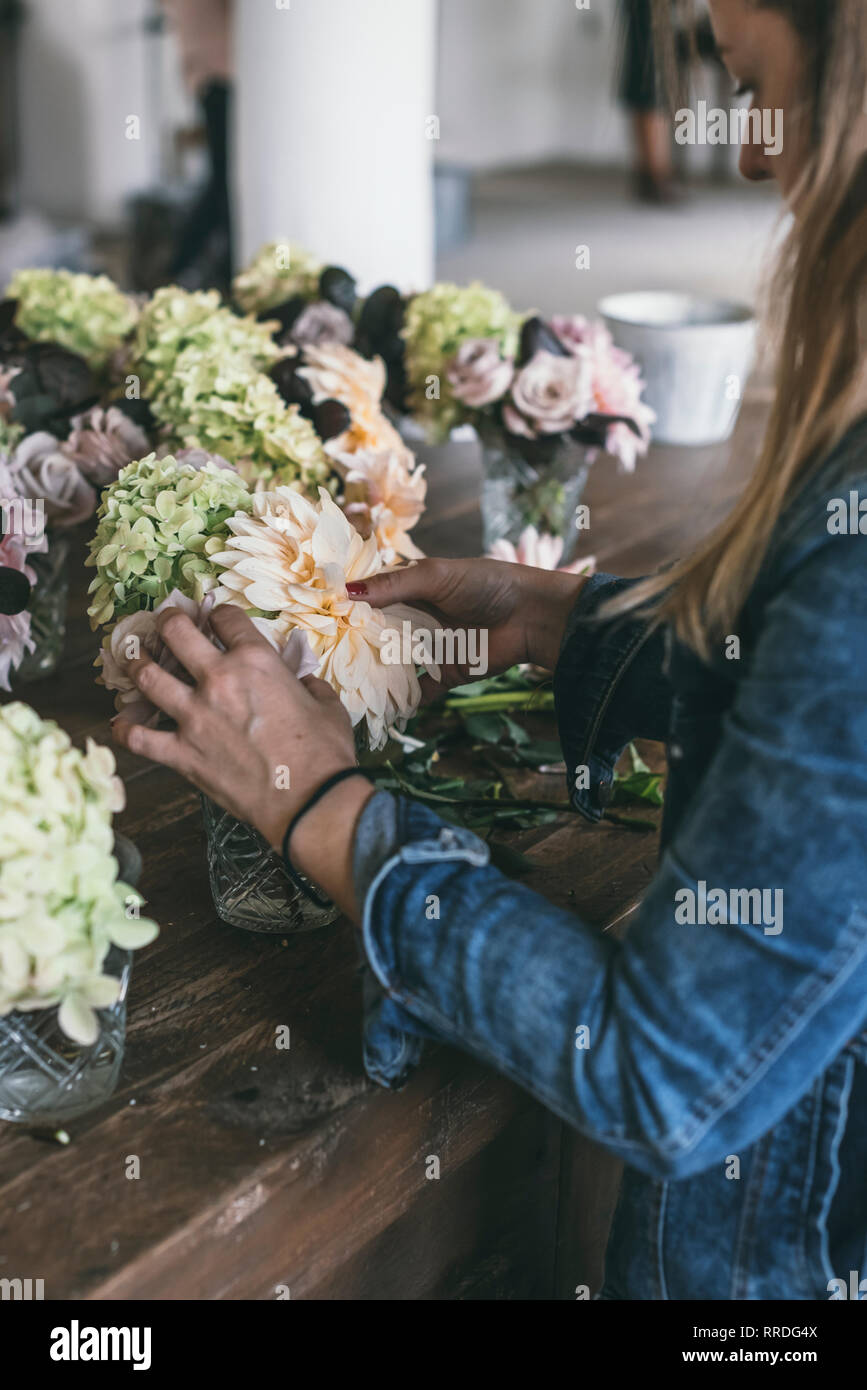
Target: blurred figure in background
pixel 203 32
pixel 639 91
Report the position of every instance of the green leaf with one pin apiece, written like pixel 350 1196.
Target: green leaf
pixel 639 786
pixel 638 763
pixel 518 735
pixel 487 728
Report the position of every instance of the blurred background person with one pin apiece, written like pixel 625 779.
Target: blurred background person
pixel 203 32
pixel 639 92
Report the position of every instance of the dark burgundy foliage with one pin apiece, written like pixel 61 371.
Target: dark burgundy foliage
pixel 338 287
pixel 379 335
pixel 538 336
pixel 330 418
pixel 14 591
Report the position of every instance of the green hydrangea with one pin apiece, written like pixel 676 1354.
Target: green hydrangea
pixel 228 408
pixel 280 271
pixel 438 323
pixel 160 522
pixel 175 320
pixel 87 314
pixel 61 904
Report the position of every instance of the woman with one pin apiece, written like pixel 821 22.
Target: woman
pixel 727 1063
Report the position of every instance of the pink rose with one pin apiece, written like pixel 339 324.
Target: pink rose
pixel 41 472
pixel 575 332
pixel 322 323
pixel 551 394
pixel 617 385
pixel 138 633
pixel 478 375
pixel 102 442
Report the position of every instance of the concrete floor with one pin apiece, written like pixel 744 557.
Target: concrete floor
pixel 527 224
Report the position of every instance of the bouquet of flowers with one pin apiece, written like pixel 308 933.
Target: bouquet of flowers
pixel 61 905
pixel 160 522
pixel 310 302
pixel 86 314
pixel 543 399
pixel 205 371
pixel 471 360
pixel 64 433
pixel 175 532
pixel 439 327
pixel 175 321
pixel 192 535
pixel 380 487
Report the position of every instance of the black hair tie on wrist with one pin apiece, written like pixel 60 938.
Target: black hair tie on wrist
pixel 308 806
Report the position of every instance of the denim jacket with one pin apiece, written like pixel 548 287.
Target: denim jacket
pixel 721 1049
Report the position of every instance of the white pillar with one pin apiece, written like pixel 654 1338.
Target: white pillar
pixel 332 146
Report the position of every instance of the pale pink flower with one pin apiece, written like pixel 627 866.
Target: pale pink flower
pixel 322 323
pixel 617 385
pixel 551 394
pixel 40 471
pixel 337 373
pixel 138 633
pixel 385 494
pixel 102 442
pixel 294 558
pixel 540 551
pixel 478 375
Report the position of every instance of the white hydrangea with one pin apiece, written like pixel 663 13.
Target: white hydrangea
pixel 61 904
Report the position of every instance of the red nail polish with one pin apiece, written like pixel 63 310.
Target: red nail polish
pixel 356 590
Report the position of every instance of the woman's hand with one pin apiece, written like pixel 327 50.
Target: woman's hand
pixel 255 739
pixel 523 610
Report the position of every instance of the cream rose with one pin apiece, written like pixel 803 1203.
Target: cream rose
pixel 551 394
pixel 478 375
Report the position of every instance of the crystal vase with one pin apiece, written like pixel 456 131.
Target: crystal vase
pixel 532 483
pixel 45 1077
pixel 249 884
pixel 47 608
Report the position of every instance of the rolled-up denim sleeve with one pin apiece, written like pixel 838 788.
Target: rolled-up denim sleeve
pixel 610 686
pixel 686 1041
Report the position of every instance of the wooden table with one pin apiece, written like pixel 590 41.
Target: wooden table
pixel 265 1170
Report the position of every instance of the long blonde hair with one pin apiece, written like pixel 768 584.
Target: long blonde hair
pixel 816 326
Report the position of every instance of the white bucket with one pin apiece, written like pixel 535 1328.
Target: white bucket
pixel 695 354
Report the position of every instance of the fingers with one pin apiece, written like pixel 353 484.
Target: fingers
pixel 235 629
pixel 195 653
pixel 165 691
pixel 432 690
pixel 422 581
pixel 160 747
pixel 321 691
